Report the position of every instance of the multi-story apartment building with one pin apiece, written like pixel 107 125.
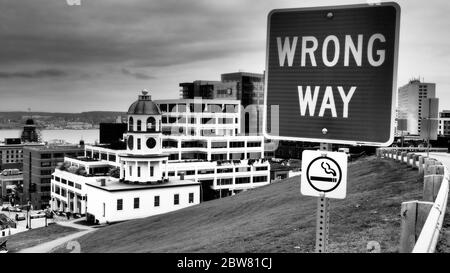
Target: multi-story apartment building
pixel 11 153
pixel 411 98
pixel 444 123
pixel 38 165
pixel 189 143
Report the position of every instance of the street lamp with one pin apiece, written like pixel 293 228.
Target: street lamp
pixel 28 214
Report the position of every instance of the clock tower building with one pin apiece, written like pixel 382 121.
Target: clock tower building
pixel 144 161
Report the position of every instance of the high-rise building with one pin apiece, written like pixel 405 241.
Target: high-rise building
pixel 250 86
pixel 444 123
pixel 208 90
pixel 411 98
pixel 38 165
pixel 246 87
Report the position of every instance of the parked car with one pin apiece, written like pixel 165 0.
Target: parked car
pixel 15 209
pixel 20 216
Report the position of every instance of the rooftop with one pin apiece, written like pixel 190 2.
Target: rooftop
pixel 11 177
pixel 116 185
pixel 144 106
pixel 199 100
pixel 59 147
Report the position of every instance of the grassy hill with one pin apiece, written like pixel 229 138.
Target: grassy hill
pixel 275 218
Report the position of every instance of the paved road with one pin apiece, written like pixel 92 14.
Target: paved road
pixel 49 246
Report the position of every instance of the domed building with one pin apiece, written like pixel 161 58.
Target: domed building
pixel 144 162
pixel 117 185
pixel 30 133
pixel 178 153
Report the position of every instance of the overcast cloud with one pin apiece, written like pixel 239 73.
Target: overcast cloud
pixel 100 54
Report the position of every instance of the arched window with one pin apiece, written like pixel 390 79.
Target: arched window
pixel 130 124
pixel 151 124
pixel 139 125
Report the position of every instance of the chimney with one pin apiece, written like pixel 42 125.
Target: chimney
pixel 102 182
pixel 82 143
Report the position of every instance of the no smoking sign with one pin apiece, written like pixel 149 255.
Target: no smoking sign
pixel 324 174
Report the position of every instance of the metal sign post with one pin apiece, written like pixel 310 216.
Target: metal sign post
pixel 323 215
pixel 324 176
pixel 322 224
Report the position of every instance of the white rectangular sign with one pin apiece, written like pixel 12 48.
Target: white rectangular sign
pixel 324 174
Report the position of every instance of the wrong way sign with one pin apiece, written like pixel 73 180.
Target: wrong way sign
pixel 324 174
pixel 331 74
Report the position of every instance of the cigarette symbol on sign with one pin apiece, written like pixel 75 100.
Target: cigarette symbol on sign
pixel 328 170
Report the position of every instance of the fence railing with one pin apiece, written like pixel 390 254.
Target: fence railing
pixel 422 220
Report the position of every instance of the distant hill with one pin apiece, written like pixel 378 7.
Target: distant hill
pixel 275 218
pixel 43 119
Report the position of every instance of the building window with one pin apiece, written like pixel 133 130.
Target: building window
pixel 119 204
pixel 46 164
pixel 139 126
pixel 151 170
pixel 176 199
pixel 237 144
pixel 151 124
pixel 139 171
pixel 261 168
pixel 224 181
pixel 253 144
pixel 131 170
pixel 130 124
pixel 138 143
pixel 191 197
pixel 257 179
pixel 46 156
pixel 156 202
pixel 46 172
pixel 136 202
pixel 242 180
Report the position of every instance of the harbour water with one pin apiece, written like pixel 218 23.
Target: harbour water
pixel 89 136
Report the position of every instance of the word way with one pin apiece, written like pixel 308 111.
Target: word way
pixel 307 100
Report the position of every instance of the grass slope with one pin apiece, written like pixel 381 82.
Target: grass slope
pixel 37 236
pixel 275 218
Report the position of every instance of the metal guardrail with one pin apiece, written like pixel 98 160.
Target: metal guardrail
pixel 428 238
pixel 417 149
pixel 429 235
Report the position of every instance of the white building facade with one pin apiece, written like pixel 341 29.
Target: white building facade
pixel 411 98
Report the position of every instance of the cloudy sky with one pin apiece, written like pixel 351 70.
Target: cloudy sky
pixel 97 56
